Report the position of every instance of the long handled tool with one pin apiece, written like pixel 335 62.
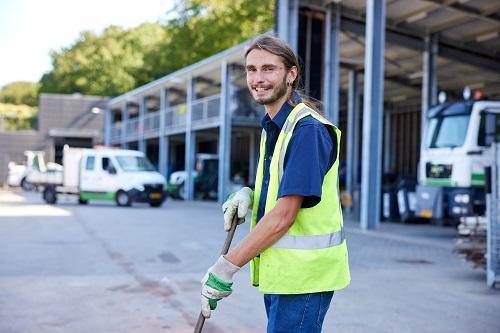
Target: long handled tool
pixel 225 248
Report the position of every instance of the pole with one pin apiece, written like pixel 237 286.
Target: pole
pixel 225 249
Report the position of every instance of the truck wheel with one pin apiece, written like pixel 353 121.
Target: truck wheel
pixel 50 195
pixel 82 201
pixel 181 192
pixel 26 185
pixel 123 199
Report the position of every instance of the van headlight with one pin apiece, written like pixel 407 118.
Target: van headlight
pixel 462 198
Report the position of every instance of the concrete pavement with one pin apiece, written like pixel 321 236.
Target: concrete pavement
pixel 96 268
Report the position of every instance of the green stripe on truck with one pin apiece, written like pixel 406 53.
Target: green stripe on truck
pixel 97 196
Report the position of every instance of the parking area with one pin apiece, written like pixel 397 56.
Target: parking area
pixel 97 268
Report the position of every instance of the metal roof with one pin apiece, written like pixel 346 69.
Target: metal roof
pixel 469 43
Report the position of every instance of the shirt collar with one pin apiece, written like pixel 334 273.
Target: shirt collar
pixel 283 113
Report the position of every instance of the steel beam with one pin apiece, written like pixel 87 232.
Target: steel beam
pixel 190 148
pixel 332 63
pixel 124 143
pixel 224 133
pixel 429 79
pixel 288 22
pixel 352 136
pixel 373 114
pixel 163 151
pixel 108 124
pixel 142 114
pixel 447 48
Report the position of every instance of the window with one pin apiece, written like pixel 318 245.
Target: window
pixel 448 131
pixel 489 129
pixel 134 163
pixel 106 164
pixel 90 163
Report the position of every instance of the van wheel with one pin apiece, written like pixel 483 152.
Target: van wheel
pixel 155 203
pixel 50 195
pixel 82 201
pixel 26 185
pixel 123 199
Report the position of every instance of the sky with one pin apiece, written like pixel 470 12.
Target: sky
pixel 30 29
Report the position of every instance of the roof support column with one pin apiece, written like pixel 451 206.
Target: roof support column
pixel 288 21
pixel 108 125
pixel 332 63
pixel 224 133
pixel 142 114
pixel 190 143
pixel 163 151
pixel 352 136
pixel 124 143
pixel 373 114
pixel 429 79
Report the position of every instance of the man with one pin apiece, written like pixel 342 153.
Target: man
pixel 296 246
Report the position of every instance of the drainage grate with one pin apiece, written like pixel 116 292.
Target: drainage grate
pixel 168 257
pixel 414 261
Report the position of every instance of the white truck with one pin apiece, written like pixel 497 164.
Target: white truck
pixel 457 147
pixel 18 173
pixel 123 176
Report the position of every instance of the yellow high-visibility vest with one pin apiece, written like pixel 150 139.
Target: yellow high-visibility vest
pixel 312 256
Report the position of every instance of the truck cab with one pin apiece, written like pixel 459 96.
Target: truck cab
pixel 454 153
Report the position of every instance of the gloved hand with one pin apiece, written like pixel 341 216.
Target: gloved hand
pixel 216 284
pixel 238 202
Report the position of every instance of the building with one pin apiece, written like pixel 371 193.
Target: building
pixel 75 120
pixel 377 66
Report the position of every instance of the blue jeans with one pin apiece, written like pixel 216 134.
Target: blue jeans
pixel 303 313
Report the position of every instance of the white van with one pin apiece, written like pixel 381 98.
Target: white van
pixel 123 176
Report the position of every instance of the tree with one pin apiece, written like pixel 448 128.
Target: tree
pixel 119 60
pixel 20 92
pixel 107 64
pixel 17 117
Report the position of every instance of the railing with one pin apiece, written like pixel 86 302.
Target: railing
pixel 152 123
pixel 205 110
pixel 175 117
pixel 132 129
pixel 116 133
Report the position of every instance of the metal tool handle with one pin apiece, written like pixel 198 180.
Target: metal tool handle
pixel 225 249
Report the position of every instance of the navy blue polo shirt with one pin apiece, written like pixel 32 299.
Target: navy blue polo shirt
pixel 311 152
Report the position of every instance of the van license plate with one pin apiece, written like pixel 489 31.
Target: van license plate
pixel 427 213
pixel 155 195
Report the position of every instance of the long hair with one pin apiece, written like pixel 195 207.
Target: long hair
pixel 281 49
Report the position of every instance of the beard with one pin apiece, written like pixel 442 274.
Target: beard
pixel 277 93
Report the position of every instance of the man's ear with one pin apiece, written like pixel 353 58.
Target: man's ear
pixel 292 74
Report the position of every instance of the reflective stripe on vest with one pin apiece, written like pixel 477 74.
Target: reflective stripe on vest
pixel 310 242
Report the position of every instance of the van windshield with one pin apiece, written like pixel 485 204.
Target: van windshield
pixel 134 163
pixel 447 131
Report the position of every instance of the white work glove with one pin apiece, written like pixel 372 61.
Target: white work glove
pixel 237 202
pixel 216 284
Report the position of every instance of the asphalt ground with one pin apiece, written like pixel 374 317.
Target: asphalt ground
pixel 97 268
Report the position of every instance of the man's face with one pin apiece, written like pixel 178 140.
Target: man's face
pixel 266 77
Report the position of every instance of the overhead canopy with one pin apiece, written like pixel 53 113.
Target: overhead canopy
pixel 468 34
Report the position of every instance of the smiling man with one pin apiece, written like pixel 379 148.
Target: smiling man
pixel 296 246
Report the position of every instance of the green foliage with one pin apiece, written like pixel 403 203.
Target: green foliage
pixel 205 27
pixel 17 117
pixel 119 60
pixel 20 92
pixel 109 64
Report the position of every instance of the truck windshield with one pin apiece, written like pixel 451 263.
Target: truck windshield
pixel 134 163
pixel 448 131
